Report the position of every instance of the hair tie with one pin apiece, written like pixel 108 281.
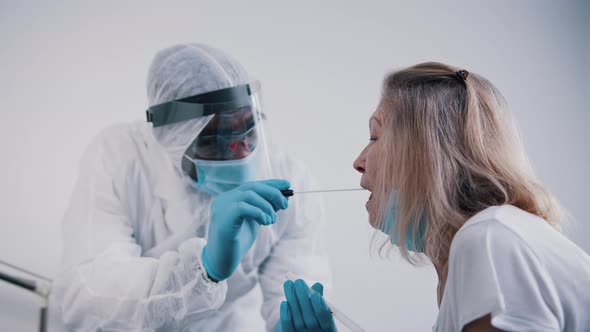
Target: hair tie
pixel 462 74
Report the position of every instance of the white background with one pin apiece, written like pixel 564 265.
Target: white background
pixel 69 69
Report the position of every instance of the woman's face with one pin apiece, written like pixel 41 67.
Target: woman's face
pixel 367 162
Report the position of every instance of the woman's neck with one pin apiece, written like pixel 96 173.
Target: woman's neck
pixel 442 271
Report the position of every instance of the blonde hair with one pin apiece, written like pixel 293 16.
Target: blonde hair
pixel 453 150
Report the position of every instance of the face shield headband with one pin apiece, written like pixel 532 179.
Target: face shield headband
pixel 205 104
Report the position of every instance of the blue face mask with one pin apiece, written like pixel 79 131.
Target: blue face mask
pixel 217 176
pixel 389 225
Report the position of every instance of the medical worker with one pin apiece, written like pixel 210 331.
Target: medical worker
pixel 449 178
pixel 178 223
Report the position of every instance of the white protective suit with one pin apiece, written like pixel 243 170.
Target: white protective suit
pixel 135 229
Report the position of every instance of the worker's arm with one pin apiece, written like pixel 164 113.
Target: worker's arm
pixel 106 284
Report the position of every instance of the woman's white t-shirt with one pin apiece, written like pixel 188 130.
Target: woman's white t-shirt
pixel 513 265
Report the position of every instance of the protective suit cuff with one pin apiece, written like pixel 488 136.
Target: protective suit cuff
pixel 204 289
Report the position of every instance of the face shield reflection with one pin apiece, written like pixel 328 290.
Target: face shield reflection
pixel 231 146
pixel 229 135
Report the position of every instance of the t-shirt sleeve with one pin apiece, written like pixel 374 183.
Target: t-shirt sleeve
pixel 492 270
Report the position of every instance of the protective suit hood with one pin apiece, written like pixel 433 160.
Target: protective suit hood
pixel 185 70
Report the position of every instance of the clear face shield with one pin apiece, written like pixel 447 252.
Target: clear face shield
pixel 231 148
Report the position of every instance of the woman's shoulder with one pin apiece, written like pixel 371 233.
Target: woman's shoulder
pixel 505 225
pixel 500 234
pixel 490 229
pixel 511 263
pixel 507 215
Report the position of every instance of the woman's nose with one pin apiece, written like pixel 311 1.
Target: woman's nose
pixel 359 164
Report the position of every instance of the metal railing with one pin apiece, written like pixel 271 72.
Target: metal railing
pixel 39 285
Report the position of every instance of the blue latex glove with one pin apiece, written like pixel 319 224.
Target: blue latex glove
pixel 236 216
pixel 304 310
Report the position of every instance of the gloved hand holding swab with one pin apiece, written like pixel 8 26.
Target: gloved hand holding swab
pixel 336 313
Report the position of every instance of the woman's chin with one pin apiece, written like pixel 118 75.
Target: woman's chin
pixel 373 223
pixel 368 204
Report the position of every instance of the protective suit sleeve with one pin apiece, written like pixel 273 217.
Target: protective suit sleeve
pixel 300 248
pixel 105 283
